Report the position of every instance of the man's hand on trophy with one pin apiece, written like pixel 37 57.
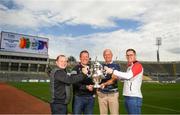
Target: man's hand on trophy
pixel 102 86
pixel 108 70
pixel 89 71
pixel 90 87
pixel 85 70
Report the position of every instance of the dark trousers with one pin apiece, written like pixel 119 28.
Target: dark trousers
pixel 58 108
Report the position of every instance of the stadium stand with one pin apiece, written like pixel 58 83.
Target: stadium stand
pixel 177 69
pixel 23 57
pixel 162 72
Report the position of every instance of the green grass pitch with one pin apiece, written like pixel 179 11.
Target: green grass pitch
pixel 157 98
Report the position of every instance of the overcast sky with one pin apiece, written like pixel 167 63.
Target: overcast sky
pixel 75 25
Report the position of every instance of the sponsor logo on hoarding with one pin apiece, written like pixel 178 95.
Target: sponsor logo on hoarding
pixel 34 44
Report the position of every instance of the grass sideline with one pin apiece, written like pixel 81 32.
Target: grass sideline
pixel 157 98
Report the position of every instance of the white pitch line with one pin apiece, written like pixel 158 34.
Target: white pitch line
pixel 163 108
pixel 157 107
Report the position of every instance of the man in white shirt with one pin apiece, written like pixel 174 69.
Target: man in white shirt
pixel 132 82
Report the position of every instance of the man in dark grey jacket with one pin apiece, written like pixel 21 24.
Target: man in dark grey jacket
pixel 61 85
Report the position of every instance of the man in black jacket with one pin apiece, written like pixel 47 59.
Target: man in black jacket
pixel 83 99
pixel 60 85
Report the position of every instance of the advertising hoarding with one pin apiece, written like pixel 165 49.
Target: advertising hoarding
pixel 23 43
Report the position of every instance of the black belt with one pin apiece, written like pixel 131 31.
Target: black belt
pixel 110 91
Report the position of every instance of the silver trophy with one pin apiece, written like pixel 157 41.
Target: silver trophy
pixel 97 73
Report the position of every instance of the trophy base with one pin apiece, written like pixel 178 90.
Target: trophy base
pixel 97 86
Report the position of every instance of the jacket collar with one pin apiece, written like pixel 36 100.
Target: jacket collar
pixel 129 64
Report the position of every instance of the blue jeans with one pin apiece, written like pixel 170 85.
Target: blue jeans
pixel 58 108
pixel 83 104
pixel 133 104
